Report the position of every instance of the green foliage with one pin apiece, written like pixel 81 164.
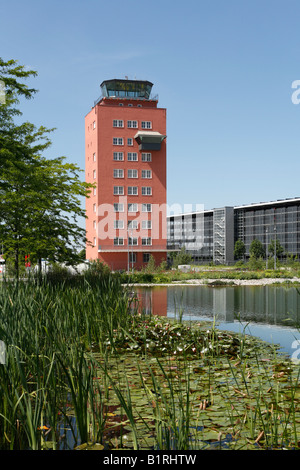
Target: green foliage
pixel 239 250
pixel 39 198
pixel 275 247
pixel 256 249
pixel 181 257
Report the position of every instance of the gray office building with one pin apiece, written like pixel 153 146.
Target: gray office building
pixel 210 236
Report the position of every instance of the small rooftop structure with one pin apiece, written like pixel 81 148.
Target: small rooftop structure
pixel 124 88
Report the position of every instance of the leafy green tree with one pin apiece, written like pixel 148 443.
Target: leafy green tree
pixel 256 249
pixel 181 257
pixel 39 198
pixel 279 248
pixel 239 249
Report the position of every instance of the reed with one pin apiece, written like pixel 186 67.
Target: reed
pixel 65 345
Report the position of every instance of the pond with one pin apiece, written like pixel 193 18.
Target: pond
pixel 271 313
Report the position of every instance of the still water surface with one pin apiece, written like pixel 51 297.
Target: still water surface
pixel 270 313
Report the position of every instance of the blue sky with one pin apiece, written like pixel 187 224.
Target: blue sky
pixel 223 69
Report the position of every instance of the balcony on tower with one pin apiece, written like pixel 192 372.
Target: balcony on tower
pixel 149 140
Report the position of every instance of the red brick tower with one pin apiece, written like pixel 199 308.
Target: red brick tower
pixel 125 155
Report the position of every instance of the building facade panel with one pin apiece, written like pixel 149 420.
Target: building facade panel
pixel 223 227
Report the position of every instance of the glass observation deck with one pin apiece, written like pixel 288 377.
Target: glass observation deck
pixel 132 89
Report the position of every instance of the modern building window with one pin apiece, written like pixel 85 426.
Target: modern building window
pixel 94 125
pixel 118 241
pixel 94 157
pixel 94 207
pixel 95 241
pixel 94 224
pixel 146 157
pixel 132 124
pixel 147 241
pixel 146 174
pixel 118 156
pixel 130 141
pixel 132 190
pixel 118 173
pixel 132 156
pixel 118 224
pixel 132 257
pixel 118 207
pixel 118 141
pixel 146 257
pixel 94 174
pixel 132 173
pixel 118 123
pixel 146 207
pixel 94 191
pixel 132 207
pixel 133 224
pixel 146 125
pixel 118 190
pixel 146 224
pixel 132 241
pixel 146 191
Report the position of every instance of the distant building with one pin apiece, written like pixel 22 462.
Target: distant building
pixel 210 236
pixel 125 156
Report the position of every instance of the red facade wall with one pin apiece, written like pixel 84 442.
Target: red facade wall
pixel 99 132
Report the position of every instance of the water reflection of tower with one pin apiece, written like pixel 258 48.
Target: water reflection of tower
pixel 152 300
pixel 223 300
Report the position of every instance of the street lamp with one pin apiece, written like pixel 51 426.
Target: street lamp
pixel 266 248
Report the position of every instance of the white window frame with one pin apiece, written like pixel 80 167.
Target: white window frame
pixel 94 157
pixel 146 124
pixel 133 224
pixel 146 224
pixel 132 241
pixel 132 156
pixel 132 191
pixel 133 207
pixel 118 207
pixel 118 224
pixel 130 141
pixel 118 156
pixel 118 173
pixel 131 173
pixel 118 190
pixel 118 241
pixel 132 124
pixel 118 141
pixel 118 123
pixel 148 255
pixel 146 207
pixel 132 257
pixel 146 191
pixel 94 174
pixel 94 207
pixel 147 174
pixel 146 157
pixel 146 241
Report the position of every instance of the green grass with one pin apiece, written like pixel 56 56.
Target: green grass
pixel 78 359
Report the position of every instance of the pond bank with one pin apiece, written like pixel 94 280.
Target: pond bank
pixel 224 281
